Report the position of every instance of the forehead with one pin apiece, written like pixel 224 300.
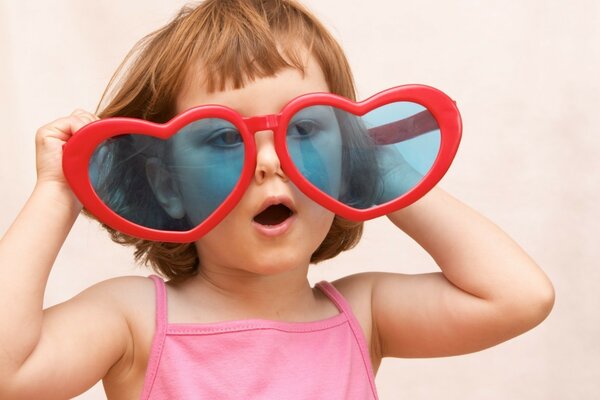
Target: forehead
pixel 261 96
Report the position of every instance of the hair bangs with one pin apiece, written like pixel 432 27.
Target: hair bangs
pixel 238 41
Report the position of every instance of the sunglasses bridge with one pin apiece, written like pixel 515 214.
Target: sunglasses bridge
pixel 262 122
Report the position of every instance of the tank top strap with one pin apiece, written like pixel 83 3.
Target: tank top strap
pixel 161 322
pixel 336 297
pixel 342 304
pixel 161 303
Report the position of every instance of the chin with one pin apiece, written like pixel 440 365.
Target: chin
pixel 276 262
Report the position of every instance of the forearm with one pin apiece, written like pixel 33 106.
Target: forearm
pixel 27 252
pixel 474 254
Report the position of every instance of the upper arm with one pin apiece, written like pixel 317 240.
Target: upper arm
pixel 426 315
pixel 80 340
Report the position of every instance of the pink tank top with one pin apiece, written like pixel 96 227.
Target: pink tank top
pixel 259 359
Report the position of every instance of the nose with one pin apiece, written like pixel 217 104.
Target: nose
pixel 267 161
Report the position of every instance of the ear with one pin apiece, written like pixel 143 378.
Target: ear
pixel 165 188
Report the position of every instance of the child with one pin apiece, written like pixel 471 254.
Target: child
pixel 237 317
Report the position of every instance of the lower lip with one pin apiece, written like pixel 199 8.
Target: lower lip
pixel 275 230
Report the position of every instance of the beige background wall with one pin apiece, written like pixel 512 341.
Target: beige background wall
pixel 525 76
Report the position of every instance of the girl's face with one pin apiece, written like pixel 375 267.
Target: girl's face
pixel 249 240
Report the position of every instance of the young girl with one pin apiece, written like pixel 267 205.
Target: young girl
pixel 237 317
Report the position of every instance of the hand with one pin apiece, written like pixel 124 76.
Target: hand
pixel 49 140
pixel 396 176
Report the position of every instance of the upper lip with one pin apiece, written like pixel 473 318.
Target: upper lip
pixel 274 200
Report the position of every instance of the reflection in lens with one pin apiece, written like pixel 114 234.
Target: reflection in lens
pixel 173 184
pixel 314 144
pixel 364 161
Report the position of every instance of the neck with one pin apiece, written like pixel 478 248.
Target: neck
pixel 285 294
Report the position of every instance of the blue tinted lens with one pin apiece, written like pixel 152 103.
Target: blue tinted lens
pixel 173 184
pixel 364 161
pixel 314 144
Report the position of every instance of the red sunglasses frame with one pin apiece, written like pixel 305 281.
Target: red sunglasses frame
pixel 80 148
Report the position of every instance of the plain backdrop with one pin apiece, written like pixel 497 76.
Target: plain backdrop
pixel 525 77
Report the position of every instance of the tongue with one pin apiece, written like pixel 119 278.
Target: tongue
pixel 273 215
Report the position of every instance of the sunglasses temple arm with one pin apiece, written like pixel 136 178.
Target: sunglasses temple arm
pixel 405 129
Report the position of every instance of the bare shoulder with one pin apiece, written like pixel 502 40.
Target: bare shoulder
pixel 90 337
pixel 124 290
pixel 132 296
pixel 357 289
pixel 129 296
pixel 135 298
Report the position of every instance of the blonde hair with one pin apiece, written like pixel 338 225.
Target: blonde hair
pixel 232 42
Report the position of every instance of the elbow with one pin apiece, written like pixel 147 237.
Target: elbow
pixel 533 305
pixel 542 297
pixel 544 301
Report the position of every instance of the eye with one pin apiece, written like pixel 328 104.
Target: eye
pixel 225 138
pixel 303 129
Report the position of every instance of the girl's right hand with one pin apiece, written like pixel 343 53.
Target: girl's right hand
pixel 49 141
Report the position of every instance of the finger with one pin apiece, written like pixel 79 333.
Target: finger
pixel 87 116
pixel 62 128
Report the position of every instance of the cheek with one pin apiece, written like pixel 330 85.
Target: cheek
pixel 205 180
pixel 219 240
pixel 319 160
pixel 318 218
pixel 319 230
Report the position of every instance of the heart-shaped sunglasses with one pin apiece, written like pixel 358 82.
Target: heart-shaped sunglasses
pixel 174 182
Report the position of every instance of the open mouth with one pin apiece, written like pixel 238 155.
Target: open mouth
pixel 273 215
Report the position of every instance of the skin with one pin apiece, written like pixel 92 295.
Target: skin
pixel 205 159
pixel 487 291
